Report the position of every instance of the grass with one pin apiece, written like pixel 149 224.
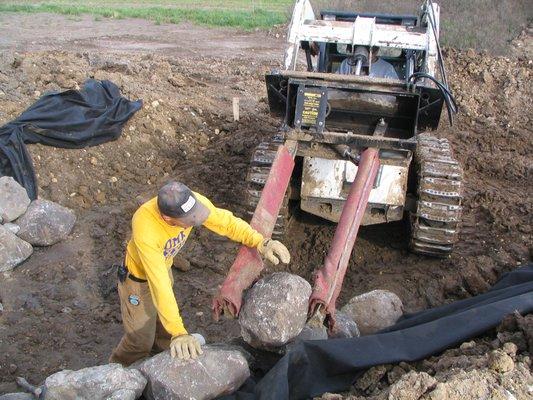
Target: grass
pixel 480 24
pixel 212 16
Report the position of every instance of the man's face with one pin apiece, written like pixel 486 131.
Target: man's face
pixel 174 221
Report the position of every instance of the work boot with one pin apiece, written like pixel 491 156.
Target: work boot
pixel 181 264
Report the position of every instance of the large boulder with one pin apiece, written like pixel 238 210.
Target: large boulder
pixel 110 381
pixel 219 370
pixel 45 223
pixel 17 396
pixel 345 327
pixel 13 250
pixel 274 310
pixel 13 199
pixel 374 310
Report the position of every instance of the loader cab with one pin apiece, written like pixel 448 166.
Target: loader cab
pixel 330 55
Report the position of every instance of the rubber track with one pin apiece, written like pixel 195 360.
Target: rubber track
pixel 435 224
pixel 258 170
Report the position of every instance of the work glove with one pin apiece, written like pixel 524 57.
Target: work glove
pixel 274 251
pixel 185 347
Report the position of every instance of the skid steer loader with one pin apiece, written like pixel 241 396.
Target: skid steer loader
pixel 355 104
pixel 333 116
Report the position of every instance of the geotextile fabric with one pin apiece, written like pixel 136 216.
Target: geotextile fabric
pixel 70 119
pixel 315 367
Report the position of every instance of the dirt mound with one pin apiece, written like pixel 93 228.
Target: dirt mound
pixel 496 367
pixel 60 309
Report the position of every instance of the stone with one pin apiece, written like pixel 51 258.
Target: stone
pixel 109 381
pixel 13 228
pixel 218 371
pixel 345 327
pixel 374 311
pixel 274 310
pixel 17 396
pixel 313 332
pixel 500 361
pixel 13 250
pixel 510 348
pixel 14 199
pixel 45 223
pixel 412 386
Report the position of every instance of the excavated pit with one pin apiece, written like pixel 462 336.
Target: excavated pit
pixel 60 308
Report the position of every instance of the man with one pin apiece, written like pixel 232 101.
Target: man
pixel 378 69
pixel 160 228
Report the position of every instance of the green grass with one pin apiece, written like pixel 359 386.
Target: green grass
pixel 237 18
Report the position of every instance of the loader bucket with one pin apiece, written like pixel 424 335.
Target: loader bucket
pixel 248 264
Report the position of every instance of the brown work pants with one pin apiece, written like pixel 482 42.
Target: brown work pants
pixel 144 334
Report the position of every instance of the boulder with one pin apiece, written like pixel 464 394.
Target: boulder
pixel 45 223
pixel 17 396
pixel 13 199
pixel 345 327
pixel 110 381
pixel 374 310
pixel 274 310
pixel 219 370
pixel 11 227
pixel 13 250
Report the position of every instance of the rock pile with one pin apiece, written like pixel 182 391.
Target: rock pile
pixel 25 223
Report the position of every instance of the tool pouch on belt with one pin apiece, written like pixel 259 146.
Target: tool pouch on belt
pixel 122 273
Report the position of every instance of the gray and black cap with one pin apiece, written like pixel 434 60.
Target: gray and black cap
pixel 178 201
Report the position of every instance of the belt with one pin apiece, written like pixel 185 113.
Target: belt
pixel 123 272
pixel 135 279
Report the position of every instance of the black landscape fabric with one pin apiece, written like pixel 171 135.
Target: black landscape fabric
pixel 315 367
pixel 71 119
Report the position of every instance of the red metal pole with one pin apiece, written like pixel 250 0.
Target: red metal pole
pixel 328 280
pixel 248 264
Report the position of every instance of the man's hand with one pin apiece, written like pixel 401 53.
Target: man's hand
pixel 274 251
pixel 185 347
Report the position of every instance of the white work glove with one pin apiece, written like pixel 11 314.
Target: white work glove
pixel 274 251
pixel 185 347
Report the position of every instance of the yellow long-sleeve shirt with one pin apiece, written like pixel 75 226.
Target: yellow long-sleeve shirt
pixel 154 243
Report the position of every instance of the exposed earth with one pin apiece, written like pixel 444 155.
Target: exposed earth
pixel 60 308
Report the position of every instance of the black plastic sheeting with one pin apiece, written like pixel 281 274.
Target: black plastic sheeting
pixel 315 367
pixel 71 119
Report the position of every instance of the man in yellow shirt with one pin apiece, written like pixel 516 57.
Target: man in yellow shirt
pixel 160 228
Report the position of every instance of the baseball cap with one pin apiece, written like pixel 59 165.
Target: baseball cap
pixel 176 200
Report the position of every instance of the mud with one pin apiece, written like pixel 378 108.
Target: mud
pixel 60 308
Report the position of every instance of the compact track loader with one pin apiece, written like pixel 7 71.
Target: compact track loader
pixel 358 98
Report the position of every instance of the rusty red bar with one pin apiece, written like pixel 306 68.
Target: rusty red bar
pixel 328 280
pixel 248 264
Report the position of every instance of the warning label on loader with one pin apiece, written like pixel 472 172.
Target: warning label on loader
pixel 311 108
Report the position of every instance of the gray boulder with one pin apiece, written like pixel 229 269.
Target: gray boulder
pixel 345 327
pixel 17 396
pixel 274 310
pixel 219 370
pixel 13 250
pixel 313 332
pixel 374 310
pixel 45 223
pixel 13 199
pixel 110 381
pixel 11 227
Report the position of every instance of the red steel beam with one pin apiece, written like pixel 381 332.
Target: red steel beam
pixel 328 280
pixel 248 264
